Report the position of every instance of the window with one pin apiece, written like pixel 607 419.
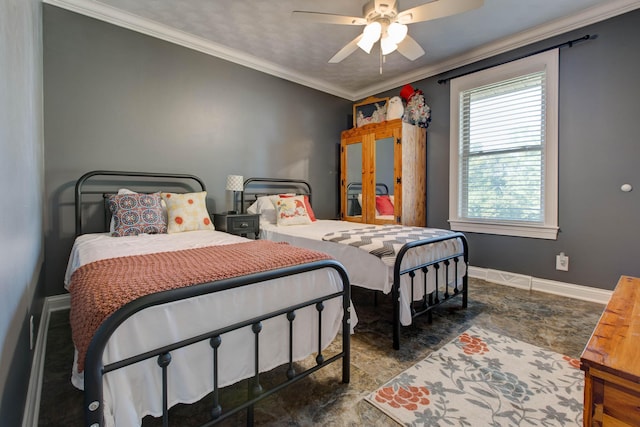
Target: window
pixel 504 149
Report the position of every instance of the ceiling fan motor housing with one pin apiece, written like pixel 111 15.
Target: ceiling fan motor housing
pixel 385 11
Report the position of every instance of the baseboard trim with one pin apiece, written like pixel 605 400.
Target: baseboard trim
pixel 585 293
pixel 32 404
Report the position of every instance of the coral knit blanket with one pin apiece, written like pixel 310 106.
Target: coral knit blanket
pixel 100 288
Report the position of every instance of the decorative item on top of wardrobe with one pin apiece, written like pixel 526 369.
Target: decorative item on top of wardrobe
pixel 370 110
pixel 395 110
pixel 416 112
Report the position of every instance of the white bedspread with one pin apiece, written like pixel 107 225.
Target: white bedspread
pixel 366 270
pixel 134 392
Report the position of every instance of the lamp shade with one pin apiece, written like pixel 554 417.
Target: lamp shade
pixel 235 183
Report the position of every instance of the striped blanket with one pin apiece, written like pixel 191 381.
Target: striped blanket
pixel 384 241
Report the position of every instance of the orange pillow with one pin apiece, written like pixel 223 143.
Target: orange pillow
pixel 307 206
pixel 384 205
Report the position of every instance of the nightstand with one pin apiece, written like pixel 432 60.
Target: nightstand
pixel 239 224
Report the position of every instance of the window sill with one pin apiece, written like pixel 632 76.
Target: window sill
pixel 503 229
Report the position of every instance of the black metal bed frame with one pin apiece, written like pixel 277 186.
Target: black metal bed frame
pixel 429 301
pixel 95 369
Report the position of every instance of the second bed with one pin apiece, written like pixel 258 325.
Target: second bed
pixel 421 267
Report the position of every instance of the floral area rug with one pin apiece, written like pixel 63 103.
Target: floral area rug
pixel 485 379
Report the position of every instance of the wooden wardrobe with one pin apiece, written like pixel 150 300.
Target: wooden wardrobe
pixel 384 159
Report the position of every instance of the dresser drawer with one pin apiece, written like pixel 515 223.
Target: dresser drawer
pixel 242 224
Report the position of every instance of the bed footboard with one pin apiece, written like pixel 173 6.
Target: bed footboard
pixel 441 293
pixel 95 369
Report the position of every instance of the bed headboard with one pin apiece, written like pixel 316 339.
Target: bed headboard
pixel 256 187
pixel 94 187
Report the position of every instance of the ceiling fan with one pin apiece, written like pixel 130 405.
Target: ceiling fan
pixel 383 22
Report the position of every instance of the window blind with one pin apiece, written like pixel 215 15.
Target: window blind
pixel 502 131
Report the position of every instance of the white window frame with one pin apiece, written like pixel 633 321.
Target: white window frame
pixel 548 229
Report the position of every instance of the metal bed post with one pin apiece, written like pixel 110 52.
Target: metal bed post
pixel 398 272
pixel 319 356
pixel 216 409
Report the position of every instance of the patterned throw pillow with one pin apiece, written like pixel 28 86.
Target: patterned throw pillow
pixel 137 213
pixel 187 212
pixel 112 225
pixel 307 206
pixel 292 211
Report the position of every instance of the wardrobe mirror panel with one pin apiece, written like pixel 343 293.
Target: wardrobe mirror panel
pixel 384 175
pixel 354 180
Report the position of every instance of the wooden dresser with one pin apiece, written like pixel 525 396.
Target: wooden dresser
pixel 611 361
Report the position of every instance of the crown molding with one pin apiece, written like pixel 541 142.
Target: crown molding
pixel 151 28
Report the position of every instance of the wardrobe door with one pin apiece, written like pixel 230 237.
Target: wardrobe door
pixel 383 196
pixel 384 188
pixel 352 158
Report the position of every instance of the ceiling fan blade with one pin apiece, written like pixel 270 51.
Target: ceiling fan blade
pixel 410 48
pixel 351 47
pixel 437 9
pixel 327 18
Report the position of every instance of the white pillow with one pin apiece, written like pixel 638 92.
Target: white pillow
pixel 292 211
pixel 265 206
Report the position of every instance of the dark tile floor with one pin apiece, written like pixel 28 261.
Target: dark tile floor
pixel 560 324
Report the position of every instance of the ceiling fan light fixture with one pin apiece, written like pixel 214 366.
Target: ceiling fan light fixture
pixel 383 21
pixel 365 44
pixel 397 32
pixel 370 35
pixel 387 45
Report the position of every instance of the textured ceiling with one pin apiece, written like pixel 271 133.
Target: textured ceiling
pixel 261 34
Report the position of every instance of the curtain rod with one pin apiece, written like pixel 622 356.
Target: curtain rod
pixel 569 44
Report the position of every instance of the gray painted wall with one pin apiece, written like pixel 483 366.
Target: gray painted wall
pixel 116 99
pixel 599 150
pixel 21 171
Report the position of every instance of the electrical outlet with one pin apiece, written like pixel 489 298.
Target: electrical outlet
pixel 562 262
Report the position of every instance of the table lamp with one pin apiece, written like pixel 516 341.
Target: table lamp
pixel 235 183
